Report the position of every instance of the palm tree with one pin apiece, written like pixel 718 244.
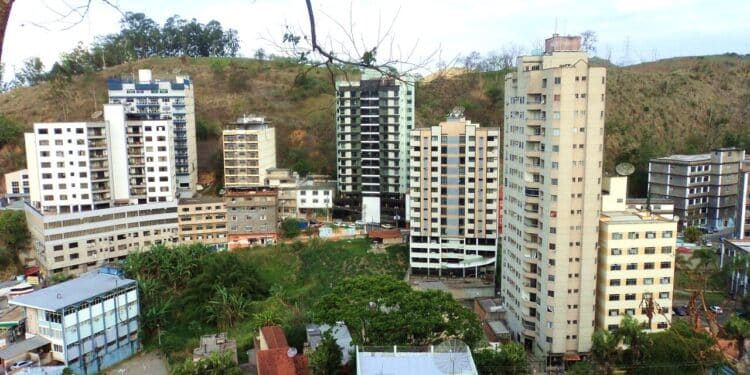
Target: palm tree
pixel 739 329
pixel 604 349
pixel 706 258
pixel 632 334
pixel 739 268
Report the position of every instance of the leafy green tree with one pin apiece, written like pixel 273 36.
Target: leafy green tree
pixel 15 233
pixel 59 278
pixel 738 329
pixel 680 349
pixel 511 358
pixel 290 228
pixel 692 234
pixel 32 72
pixel 585 367
pixel 9 130
pixel 604 349
pixel 226 308
pixel 632 334
pixel 380 310
pixel 327 357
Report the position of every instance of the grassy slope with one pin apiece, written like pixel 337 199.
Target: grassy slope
pixel 224 89
pixel 677 105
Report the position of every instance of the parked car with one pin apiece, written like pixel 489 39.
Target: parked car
pixel 716 309
pixel 386 226
pixel 680 310
pixel 20 364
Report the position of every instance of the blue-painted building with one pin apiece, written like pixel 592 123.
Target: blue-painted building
pixel 92 321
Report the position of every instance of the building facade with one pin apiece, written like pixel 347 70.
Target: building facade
pixel 455 169
pixel 17 184
pixel 554 126
pixel 703 187
pixel 89 186
pixel 373 118
pixel 315 199
pixel 249 152
pixel 743 203
pixel 202 220
pixel 251 217
pixel 171 101
pixel 636 262
pixel 92 321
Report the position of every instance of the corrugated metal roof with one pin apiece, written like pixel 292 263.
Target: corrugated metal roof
pixel 22 347
pixel 70 292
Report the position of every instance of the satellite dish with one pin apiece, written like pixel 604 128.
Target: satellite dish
pixel 96 115
pixel 291 352
pixel 451 357
pixel 624 169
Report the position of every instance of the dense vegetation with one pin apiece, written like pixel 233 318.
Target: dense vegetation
pixel 382 311
pixel 187 291
pixel 13 241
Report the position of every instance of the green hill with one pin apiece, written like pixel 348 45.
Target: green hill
pixel 682 105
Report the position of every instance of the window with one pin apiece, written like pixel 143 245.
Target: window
pixel 664 280
pixel 632 266
pixel 614 297
pixel 666 234
pixel 614 312
pixel 648 281
pixel 557 80
pixel 650 235
pixel 664 295
pixel 630 282
pixel 616 236
pixel 648 266
pixel 630 296
pixel 633 251
pixel 633 235
pixel 616 252
pixel 649 250
pixel 614 282
pixel 615 267
pixel 666 265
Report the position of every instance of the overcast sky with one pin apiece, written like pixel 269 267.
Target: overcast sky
pixel 630 31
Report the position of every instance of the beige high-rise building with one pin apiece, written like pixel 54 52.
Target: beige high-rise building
pixel 554 127
pixel 636 262
pixel 249 152
pixel 455 169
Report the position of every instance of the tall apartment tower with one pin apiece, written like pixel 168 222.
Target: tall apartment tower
pixel 150 99
pixel 249 152
pixel 99 189
pixel 703 186
pixel 373 118
pixel 554 126
pixel 455 169
pixel 742 229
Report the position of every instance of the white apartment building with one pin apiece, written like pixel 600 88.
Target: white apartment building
pixel 249 152
pixel 91 322
pixel 312 196
pixel 373 118
pixel 17 184
pixel 89 186
pixel 454 175
pixel 742 230
pixel 172 101
pixel 636 262
pixel 554 127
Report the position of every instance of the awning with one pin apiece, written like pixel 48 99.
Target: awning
pixel 572 357
pixel 31 271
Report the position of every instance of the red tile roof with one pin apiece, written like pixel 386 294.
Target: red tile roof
pixel 274 337
pixel 393 233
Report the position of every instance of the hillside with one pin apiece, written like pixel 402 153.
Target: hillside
pixel 680 105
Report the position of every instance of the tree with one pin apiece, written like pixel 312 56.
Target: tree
pixel 327 357
pixel 511 358
pixel 14 230
pixel 589 40
pixel 380 310
pixel 631 332
pixel 9 132
pixel 226 308
pixel 290 227
pixel 739 329
pixel 32 72
pixel 692 234
pixel 604 349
